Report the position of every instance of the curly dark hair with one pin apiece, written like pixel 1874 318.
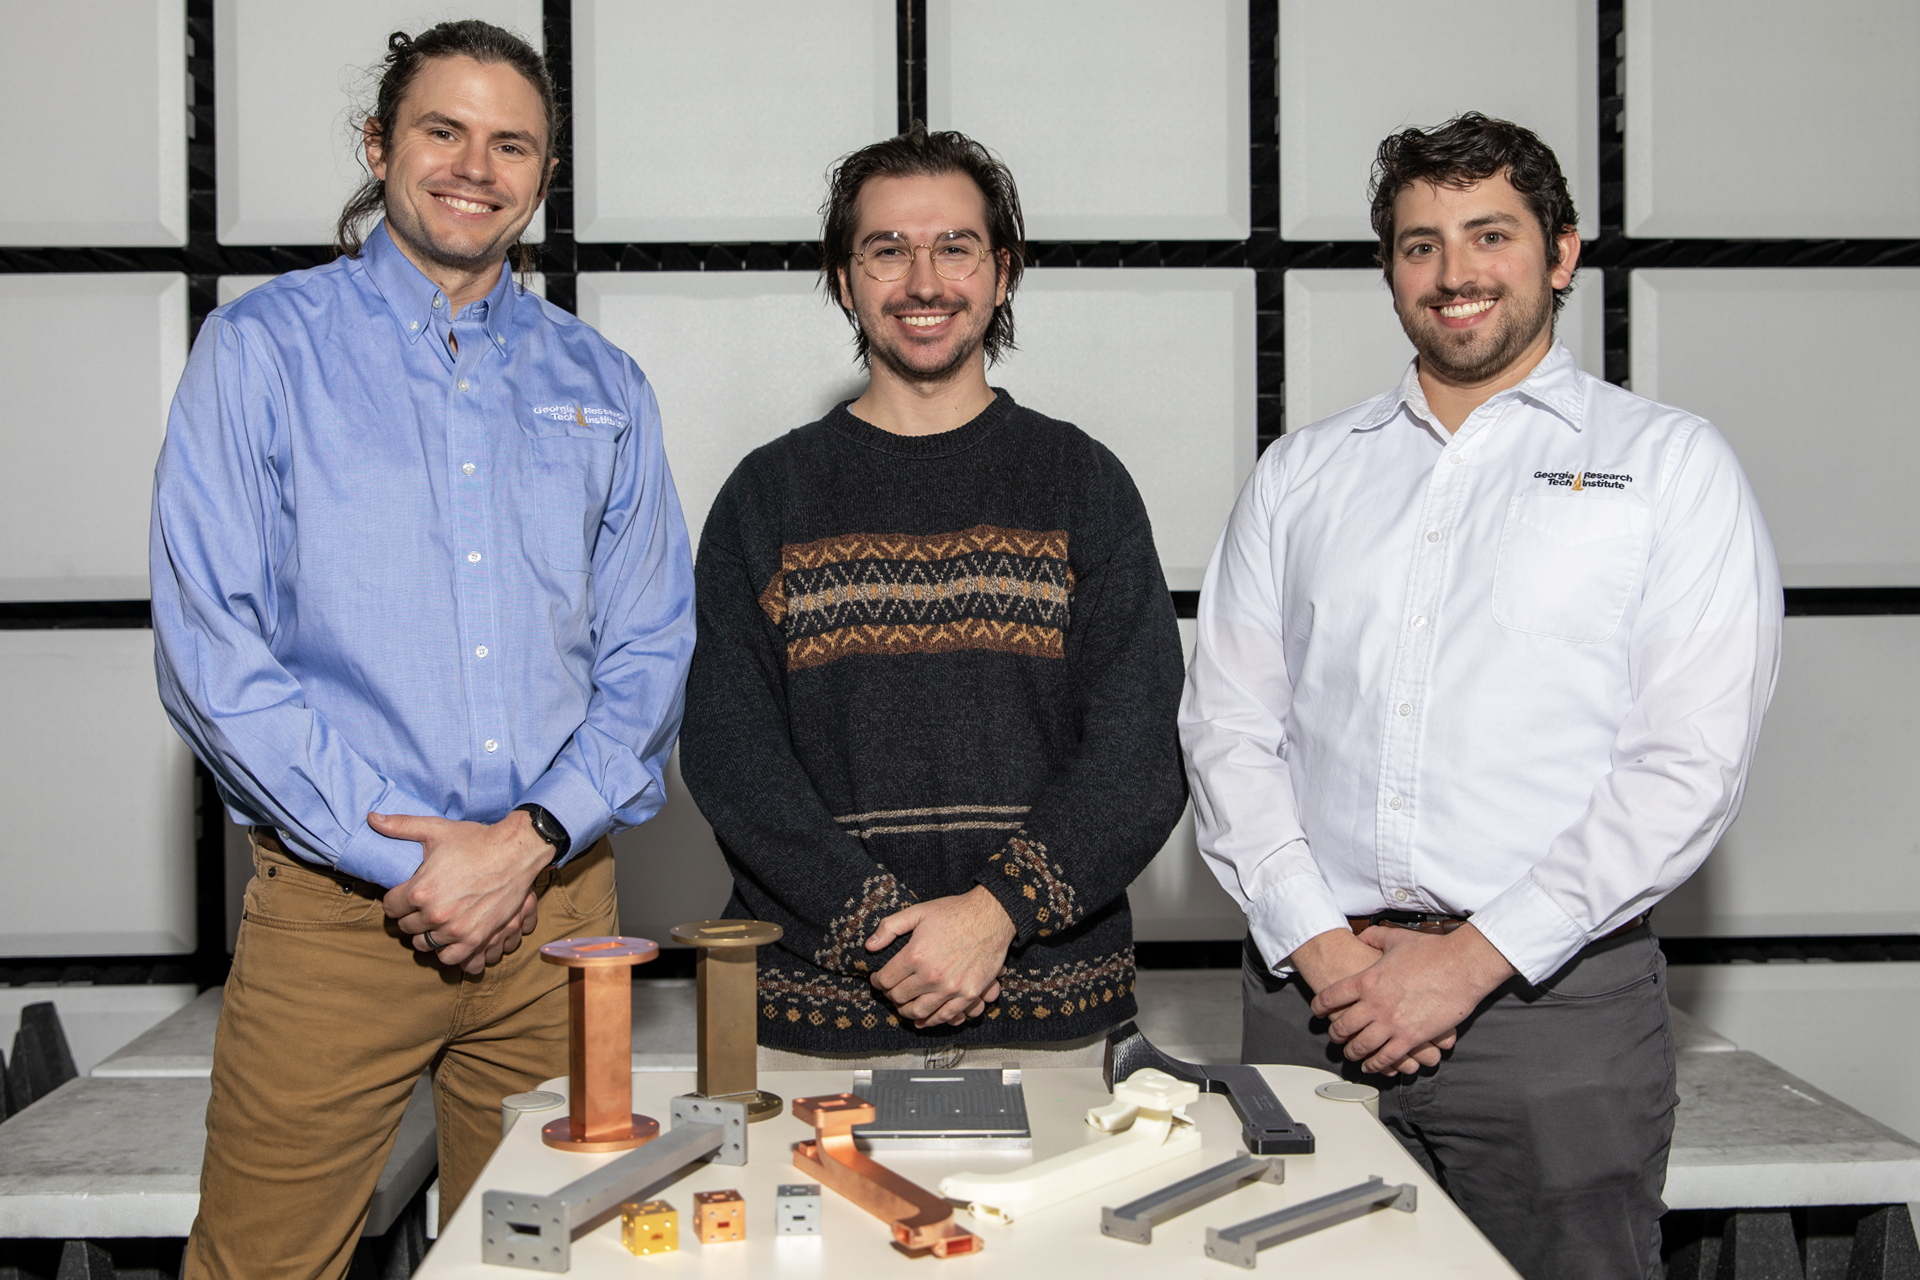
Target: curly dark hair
pixel 920 154
pixel 1468 149
pixel 406 55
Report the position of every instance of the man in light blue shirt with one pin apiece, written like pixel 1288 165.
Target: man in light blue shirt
pixel 422 603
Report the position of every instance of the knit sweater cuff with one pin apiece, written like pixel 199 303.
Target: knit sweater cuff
pixel 1032 888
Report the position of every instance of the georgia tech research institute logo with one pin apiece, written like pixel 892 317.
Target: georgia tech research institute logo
pixel 1579 480
pixel 590 415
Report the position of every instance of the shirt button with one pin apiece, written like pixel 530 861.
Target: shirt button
pixel 1406 708
pixel 1433 536
pixel 466 468
pixel 463 384
pixel 413 324
pixel 1399 895
pixel 473 557
pixel 1419 620
pixel 480 652
pixel 1454 459
pixel 437 300
pixel 1395 803
pixel 491 745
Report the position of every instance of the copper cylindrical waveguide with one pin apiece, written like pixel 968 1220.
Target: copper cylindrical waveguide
pixel 728 970
pixel 600 1113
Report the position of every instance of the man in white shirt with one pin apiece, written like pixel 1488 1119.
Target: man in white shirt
pixel 1494 645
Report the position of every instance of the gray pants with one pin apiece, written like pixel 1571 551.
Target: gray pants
pixel 1548 1123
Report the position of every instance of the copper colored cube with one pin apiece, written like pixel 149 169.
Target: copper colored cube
pixel 648 1227
pixel 719 1216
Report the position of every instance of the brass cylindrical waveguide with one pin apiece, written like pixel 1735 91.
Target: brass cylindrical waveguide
pixel 600 1113
pixel 727 971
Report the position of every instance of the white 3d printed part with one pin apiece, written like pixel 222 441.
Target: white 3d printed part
pixel 1151 1131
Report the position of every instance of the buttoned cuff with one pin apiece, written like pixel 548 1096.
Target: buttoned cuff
pixel 372 856
pixel 1287 912
pixel 1530 929
pixel 574 803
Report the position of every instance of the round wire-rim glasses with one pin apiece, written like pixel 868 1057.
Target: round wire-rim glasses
pixel 888 255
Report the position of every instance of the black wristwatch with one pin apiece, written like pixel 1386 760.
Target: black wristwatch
pixel 548 828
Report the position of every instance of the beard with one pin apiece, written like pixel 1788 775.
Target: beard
pixel 894 356
pixel 405 223
pixel 1477 355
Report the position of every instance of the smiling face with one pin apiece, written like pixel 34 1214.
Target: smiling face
pixel 465 168
pixel 924 327
pixel 1471 279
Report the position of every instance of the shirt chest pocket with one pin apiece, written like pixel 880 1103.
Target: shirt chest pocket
pixel 1568 564
pixel 565 496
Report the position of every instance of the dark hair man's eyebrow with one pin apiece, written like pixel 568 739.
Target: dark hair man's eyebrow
pixel 1471 224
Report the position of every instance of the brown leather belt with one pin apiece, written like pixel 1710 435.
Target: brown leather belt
pixel 1423 922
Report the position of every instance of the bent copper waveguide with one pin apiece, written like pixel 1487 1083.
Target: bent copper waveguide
pixel 922 1221
pixel 1266 1127
pixel 600 1113
pixel 729 1026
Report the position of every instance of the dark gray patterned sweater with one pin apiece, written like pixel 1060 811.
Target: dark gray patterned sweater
pixel 926 663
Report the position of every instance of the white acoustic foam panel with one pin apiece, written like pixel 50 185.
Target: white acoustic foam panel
pixel 1158 365
pixel 1773 118
pixel 227 288
pixel 735 358
pixel 1826 842
pixel 1800 1015
pixel 90 363
pixel 1353 71
pixel 100 789
pixel 1121 119
pixel 98 1021
pixel 1801 369
pixel 717 121
pixel 289 86
pixel 100 87
pixel 1345 343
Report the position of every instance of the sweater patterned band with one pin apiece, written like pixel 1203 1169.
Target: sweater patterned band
pixel 980 588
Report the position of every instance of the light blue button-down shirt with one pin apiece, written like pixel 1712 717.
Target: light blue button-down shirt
pixel 410 563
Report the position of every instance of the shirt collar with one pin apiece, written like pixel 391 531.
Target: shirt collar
pixel 413 297
pixel 1554 384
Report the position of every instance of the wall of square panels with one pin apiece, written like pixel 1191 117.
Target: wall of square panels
pixel 80 428
pixel 289 83
pixel 1121 119
pixel 1773 118
pixel 716 121
pixel 1353 71
pixel 735 360
pixel 100 79
pixel 99 790
pixel 1346 344
pixel 1122 126
pixel 1159 367
pixel 1834 763
pixel 1812 405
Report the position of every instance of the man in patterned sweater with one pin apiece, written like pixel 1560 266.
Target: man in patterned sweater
pixel 931 714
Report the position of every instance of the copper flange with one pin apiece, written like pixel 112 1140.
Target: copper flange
pixel 921 1220
pixel 600 1114
pixel 727 972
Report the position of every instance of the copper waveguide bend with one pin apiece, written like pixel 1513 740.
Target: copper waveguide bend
pixel 600 1114
pixel 922 1221
pixel 727 972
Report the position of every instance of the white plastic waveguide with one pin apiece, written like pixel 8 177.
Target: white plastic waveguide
pixel 1151 1126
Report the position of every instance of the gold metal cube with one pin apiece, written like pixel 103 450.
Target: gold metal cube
pixel 652 1226
pixel 719 1216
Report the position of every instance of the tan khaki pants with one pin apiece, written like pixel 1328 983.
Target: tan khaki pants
pixel 330 1017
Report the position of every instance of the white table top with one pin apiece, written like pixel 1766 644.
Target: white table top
pixel 1053 1242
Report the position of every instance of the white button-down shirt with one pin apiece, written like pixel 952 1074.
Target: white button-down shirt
pixel 1516 672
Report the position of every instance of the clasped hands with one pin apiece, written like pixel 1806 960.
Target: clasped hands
pixel 474 889
pixel 1395 997
pixel 950 969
